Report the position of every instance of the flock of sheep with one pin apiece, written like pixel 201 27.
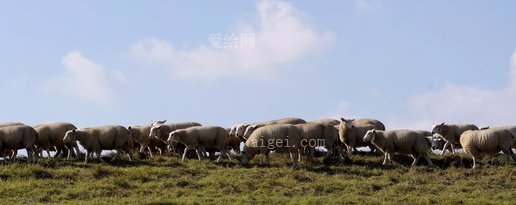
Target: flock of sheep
pixel 287 135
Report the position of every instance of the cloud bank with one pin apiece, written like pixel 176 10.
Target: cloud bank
pixel 282 35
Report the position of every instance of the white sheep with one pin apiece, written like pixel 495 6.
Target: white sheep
pixel 351 134
pixel 400 141
pixel 281 138
pixel 200 138
pixel 450 133
pixel 317 134
pixel 490 141
pixel 286 121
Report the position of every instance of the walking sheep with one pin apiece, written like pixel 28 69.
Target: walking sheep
pixel 16 137
pixel 490 141
pixel 140 135
pixel 51 138
pixel 162 132
pixel 400 141
pixel 317 134
pixel 351 134
pixel 279 137
pixel 200 138
pixel 450 133
pixel 291 121
pixel 94 140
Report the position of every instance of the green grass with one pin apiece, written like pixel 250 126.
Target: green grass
pixel 166 180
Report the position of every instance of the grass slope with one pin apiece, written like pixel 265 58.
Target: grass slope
pixel 166 180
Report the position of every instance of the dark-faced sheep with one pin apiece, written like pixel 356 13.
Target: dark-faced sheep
pixel 400 141
pixel 282 138
pixel 96 139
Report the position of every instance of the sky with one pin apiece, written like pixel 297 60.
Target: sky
pixel 409 64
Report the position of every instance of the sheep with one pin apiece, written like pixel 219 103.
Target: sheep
pixel 280 137
pixel 450 133
pixel 51 137
pixel 351 134
pixel 233 142
pixel 402 141
pixel 16 137
pixel 96 139
pixel 140 135
pixel 199 138
pixel 317 134
pixel 379 125
pixel 238 130
pixel 326 121
pixel 494 140
pixel 161 132
pixel 249 130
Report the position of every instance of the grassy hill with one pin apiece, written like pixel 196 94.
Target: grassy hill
pixel 166 180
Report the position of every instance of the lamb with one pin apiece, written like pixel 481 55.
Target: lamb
pixel 351 134
pixel 16 137
pixel 249 130
pixel 494 140
pixel 51 138
pixel 199 138
pixel 317 134
pixel 401 141
pixel 450 133
pixel 140 135
pixel 281 137
pixel 161 132
pixel 96 139
pixel 333 122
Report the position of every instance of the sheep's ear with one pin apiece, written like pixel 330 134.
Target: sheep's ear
pixel 129 128
pixel 342 119
pixel 73 131
pixel 442 123
pixel 374 131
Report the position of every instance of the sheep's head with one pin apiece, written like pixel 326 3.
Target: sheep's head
pixel 154 132
pixel 347 123
pixel 70 136
pixel 247 155
pixel 435 139
pixel 369 136
pixel 158 122
pixel 248 131
pixel 240 130
pixel 172 137
pixel 438 128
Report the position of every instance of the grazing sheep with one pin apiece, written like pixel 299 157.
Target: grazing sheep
pixel 16 137
pixel 96 139
pixel 51 138
pixel 140 135
pixel 161 132
pixel 333 122
pixel 450 133
pixel 490 141
pixel 351 134
pixel 317 134
pixel 280 137
pixel 199 138
pixel 400 141
pixel 291 121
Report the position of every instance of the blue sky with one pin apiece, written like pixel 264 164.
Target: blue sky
pixel 407 63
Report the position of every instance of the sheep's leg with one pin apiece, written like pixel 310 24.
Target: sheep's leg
pixel 444 147
pixel 198 153
pixel 392 161
pixel 116 155
pixel 295 158
pixel 150 151
pixel 127 149
pixel 452 148
pixel 429 161
pixel 229 155
pixel 267 157
pixel 385 156
pixel 29 154
pixel 98 152
pixel 184 154
pixel 474 163
pixel 416 159
pixel 86 156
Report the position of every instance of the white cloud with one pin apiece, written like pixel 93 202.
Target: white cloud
pixel 86 80
pixel 282 35
pixel 464 104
